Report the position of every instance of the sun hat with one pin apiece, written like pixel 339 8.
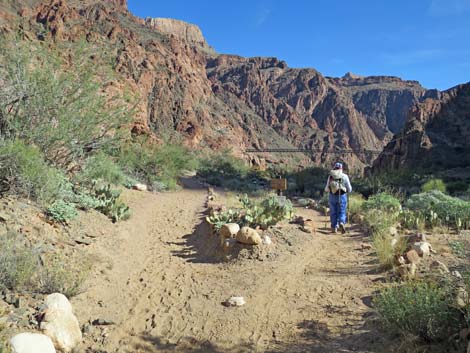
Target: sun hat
pixel 338 165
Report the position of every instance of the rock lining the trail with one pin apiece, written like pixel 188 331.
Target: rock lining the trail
pixel 60 323
pixel 248 236
pixel 31 343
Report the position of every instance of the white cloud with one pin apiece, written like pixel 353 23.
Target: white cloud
pixel 439 8
pixel 262 16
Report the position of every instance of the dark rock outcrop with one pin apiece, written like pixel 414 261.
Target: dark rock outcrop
pixel 435 136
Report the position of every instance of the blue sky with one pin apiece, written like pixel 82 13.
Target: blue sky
pixel 424 40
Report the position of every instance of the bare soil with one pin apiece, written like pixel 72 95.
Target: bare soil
pixel 161 289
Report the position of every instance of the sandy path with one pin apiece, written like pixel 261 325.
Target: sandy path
pixel 158 287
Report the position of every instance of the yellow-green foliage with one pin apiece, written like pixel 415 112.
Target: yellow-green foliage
pixel 385 250
pixel 24 168
pixel 434 184
pixel 383 202
pixel 356 202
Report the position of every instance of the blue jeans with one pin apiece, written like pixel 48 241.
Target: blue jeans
pixel 338 207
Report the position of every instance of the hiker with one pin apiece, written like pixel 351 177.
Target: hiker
pixel 338 185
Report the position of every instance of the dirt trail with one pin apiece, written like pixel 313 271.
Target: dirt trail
pixel 162 291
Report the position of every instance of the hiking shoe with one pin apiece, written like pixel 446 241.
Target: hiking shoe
pixel 342 228
pixel 334 230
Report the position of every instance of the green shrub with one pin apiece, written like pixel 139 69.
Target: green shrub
pixel 356 201
pixel 153 163
pixel 102 167
pixel 458 248
pixel 18 263
pixel 86 201
pixel 224 165
pixel 223 169
pixel 60 275
pixel 62 211
pixel 54 100
pixel 422 309
pixel 436 207
pixel 387 252
pixel 25 268
pixel 383 202
pixel 457 187
pixel 434 184
pixel 23 167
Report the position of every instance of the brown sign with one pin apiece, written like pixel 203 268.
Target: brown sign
pixel 279 184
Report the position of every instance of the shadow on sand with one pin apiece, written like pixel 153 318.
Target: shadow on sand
pixel 313 336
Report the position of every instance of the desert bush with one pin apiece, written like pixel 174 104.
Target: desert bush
pixel 434 184
pixel 405 181
pixel 422 309
pixel 155 164
pixel 58 104
pixel 18 262
pixel 59 275
pixel 387 252
pixel 457 187
pixel 62 211
pixel 221 166
pixel 356 201
pixel 457 248
pixel 383 202
pixel 24 169
pixel 85 201
pixel 23 267
pixel 224 169
pixel 102 167
pixel 436 207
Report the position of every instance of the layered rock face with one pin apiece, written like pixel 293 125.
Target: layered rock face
pixel 182 30
pixel 218 101
pixel 435 136
pixel 314 112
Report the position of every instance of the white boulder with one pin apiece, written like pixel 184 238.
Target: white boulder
pixel 31 343
pixel 58 301
pixel 60 324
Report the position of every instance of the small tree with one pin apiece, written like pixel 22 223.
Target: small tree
pixel 57 104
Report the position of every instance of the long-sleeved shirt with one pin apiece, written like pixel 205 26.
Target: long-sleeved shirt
pixel 346 182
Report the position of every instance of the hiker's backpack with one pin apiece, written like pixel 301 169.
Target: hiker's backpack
pixel 336 181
